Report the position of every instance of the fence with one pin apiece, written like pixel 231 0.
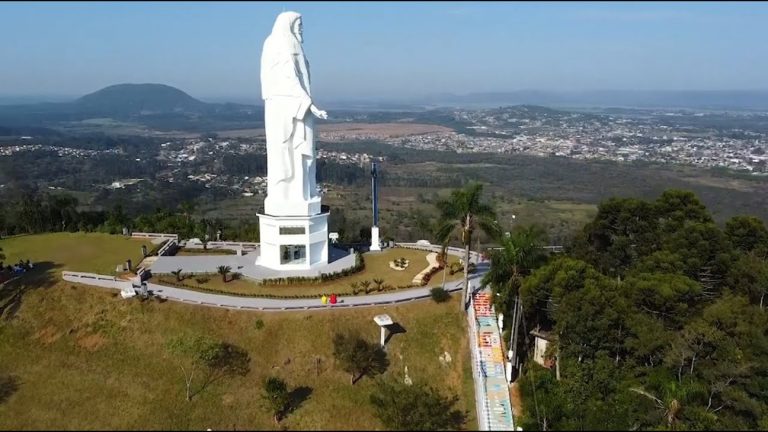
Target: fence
pixel 155 236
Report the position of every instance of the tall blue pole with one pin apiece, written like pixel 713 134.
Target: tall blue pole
pixel 375 193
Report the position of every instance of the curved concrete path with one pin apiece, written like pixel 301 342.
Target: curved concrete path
pixel 267 304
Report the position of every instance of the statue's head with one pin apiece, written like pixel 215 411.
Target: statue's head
pixel 288 24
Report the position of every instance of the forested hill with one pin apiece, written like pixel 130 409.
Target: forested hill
pixel 140 98
pixel 656 316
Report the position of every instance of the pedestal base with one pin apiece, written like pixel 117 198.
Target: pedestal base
pixel 293 242
pixel 375 243
pixel 278 206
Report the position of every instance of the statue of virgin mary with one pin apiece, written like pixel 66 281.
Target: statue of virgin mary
pixel 288 119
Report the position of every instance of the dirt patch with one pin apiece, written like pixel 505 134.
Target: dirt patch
pixel 48 335
pixel 91 342
pixel 227 399
pixel 517 400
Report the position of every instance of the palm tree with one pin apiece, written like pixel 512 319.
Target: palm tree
pixel 365 285
pixel 520 253
pixel 464 212
pixel 354 286
pixel 670 401
pixel 223 270
pixel 379 283
pixel 177 273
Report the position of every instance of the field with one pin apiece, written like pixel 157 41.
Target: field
pixel 86 359
pixel 92 252
pixel 376 266
pixel 329 131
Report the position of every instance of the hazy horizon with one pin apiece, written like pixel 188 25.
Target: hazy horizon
pixel 380 51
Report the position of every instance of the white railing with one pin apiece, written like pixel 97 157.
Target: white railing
pixel 167 247
pixel 227 245
pixel 96 279
pixel 155 235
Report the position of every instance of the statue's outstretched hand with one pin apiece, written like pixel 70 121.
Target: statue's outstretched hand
pixel 318 112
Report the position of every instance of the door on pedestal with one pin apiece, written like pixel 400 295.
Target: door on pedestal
pixel 293 254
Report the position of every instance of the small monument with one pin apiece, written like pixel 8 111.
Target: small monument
pixel 383 321
pixel 293 228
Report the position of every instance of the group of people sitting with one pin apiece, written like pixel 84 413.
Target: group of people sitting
pixel 16 269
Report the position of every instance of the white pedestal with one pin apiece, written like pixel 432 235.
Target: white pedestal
pixel 375 239
pixel 276 206
pixel 293 242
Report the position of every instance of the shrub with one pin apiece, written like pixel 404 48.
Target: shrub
pixel 439 295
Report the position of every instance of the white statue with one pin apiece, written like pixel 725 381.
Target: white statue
pixel 285 88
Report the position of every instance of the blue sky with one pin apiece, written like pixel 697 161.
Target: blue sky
pixel 386 49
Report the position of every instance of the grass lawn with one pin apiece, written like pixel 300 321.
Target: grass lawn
pixel 92 252
pixel 86 359
pixel 376 266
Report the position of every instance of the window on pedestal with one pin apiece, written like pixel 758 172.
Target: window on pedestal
pixel 293 254
pixel 287 230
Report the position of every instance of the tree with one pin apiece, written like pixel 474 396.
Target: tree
pixel 675 208
pixel 748 233
pixel 215 360
pixel 623 230
pixel 520 253
pixel 464 212
pixel 749 275
pixel 358 357
pixel 223 270
pixel 415 407
pixel 277 396
pixel 177 273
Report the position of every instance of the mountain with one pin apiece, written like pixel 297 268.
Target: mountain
pixel 156 106
pixel 715 99
pixel 140 99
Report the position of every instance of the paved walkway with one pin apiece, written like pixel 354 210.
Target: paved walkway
pixel 266 304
